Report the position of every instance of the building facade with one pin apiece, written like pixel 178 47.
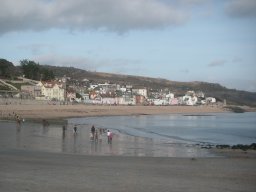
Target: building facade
pixel 53 90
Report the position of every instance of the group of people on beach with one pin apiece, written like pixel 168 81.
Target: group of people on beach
pixel 95 134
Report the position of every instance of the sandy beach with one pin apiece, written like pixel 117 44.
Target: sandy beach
pixel 22 170
pixel 66 111
pixel 25 168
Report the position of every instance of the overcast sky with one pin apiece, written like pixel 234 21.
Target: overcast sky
pixel 180 40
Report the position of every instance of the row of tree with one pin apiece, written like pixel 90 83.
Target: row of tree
pixel 30 69
pixel 34 71
pixel 7 69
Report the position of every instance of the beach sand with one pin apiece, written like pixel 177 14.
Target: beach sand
pixel 65 111
pixel 22 170
pixel 28 169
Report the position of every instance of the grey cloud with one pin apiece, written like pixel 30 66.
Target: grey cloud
pixel 241 8
pixel 217 63
pixel 110 15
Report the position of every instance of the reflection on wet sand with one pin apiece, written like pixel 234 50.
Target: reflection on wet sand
pixel 63 146
pixel 74 143
pixel 95 148
pixel 18 139
pixel 54 138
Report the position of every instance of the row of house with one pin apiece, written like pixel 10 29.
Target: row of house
pixel 111 94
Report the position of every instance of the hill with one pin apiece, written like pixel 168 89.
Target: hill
pixel 232 96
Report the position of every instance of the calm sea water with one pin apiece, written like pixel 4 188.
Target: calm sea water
pixel 144 135
pixel 219 128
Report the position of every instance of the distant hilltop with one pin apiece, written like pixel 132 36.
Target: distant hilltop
pixel 221 93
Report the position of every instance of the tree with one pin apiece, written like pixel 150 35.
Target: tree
pixel 46 74
pixel 7 69
pixel 30 69
pixel 78 96
pixel 34 71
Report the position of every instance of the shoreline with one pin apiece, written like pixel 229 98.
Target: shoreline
pixel 58 114
pixel 25 168
pixel 62 112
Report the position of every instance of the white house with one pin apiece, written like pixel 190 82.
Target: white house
pixel 170 96
pixel 142 92
pixel 123 89
pixel 210 100
pixel 189 100
pixel 160 102
pixel 53 90
pixel 93 86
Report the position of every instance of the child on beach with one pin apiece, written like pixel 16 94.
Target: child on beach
pixel 110 136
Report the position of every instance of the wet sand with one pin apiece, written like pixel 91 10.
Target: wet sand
pixel 33 136
pixel 22 170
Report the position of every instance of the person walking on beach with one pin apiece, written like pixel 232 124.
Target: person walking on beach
pixel 18 121
pixel 45 123
pixel 93 131
pixel 110 136
pixel 75 129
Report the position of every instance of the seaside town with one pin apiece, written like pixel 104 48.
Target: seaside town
pixel 127 96
pixel 70 91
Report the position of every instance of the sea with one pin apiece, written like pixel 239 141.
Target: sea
pixel 218 128
pixel 174 135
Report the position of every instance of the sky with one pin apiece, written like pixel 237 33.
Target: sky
pixel 180 40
